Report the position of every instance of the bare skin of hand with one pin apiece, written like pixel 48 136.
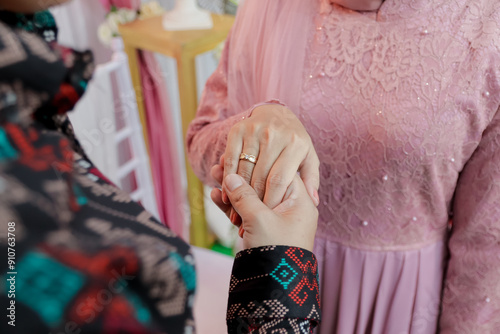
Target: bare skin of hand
pixel 282 146
pixel 292 223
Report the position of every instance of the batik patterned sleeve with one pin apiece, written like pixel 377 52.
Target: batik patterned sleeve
pixel 274 289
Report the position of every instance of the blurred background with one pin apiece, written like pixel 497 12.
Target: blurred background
pixel 133 118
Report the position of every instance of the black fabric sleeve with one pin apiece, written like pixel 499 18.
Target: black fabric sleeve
pixel 274 288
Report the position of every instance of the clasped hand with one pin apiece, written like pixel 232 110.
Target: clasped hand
pixel 292 223
pixel 283 147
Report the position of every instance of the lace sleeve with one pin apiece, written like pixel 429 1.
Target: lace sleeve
pixel 471 300
pixel 207 134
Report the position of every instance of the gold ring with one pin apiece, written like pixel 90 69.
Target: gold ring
pixel 248 157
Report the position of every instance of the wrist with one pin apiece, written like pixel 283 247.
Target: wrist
pixel 269 102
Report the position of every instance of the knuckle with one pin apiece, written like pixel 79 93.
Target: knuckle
pixel 236 130
pixel 267 136
pixel 239 196
pixel 299 142
pixel 276 124
pixel 254 127
pixel 259 186
pixel 233 131
pixel 230 163
pixel 245 173
pixel 275 181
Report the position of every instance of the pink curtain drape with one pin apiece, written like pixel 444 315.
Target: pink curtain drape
pixel 162 144
pixel 161 135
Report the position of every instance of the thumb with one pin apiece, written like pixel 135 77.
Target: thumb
pixel 243 197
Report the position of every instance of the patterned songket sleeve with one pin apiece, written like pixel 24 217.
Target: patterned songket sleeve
pixel 274 289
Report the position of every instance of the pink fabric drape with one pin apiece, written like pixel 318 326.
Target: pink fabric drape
pixel 162 144
pixel 161 135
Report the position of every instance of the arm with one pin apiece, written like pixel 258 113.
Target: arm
pixel 273 288
pixel 207 134
pixel 273 133
pixel 471 300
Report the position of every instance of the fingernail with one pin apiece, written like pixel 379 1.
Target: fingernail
pixel 237 219
pixel 225 199
pixel 232 182
pixel 316 197
pixel 231 217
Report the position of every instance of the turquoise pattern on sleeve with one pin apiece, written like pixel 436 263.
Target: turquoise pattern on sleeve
pixel 7 152
pixel 142 314
pixel 187 271
pixel 80 197
pixel 284 273
pixel 46 286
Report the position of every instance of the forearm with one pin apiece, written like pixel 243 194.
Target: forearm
pixel 273 288
pixel 206 141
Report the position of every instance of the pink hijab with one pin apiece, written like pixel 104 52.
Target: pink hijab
pixel 280 37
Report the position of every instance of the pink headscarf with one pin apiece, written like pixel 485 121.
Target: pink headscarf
pixel 271 37
pixel 131 4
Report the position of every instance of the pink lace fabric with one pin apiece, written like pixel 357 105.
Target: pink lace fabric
pixel 402 105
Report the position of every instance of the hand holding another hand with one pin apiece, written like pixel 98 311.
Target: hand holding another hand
pixel 282 147
pixel 292 223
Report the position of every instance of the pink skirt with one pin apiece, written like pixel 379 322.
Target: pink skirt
pixel 396 292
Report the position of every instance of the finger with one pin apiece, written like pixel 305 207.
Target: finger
pixel 234 147
pixel 235 218
pixel 243 198
pixel 309 172
pixel 298 209
pixel 281 176
pixel 263 168
pixel 216 196
pixel 217 173
pixel 226 208
pixel 295 194
pixel 245 167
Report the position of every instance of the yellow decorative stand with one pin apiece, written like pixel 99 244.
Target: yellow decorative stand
pixel 184 46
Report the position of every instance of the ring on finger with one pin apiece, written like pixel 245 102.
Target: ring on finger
pixel 248 157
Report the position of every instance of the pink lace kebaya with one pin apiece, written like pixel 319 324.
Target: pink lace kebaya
pixel 402 104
